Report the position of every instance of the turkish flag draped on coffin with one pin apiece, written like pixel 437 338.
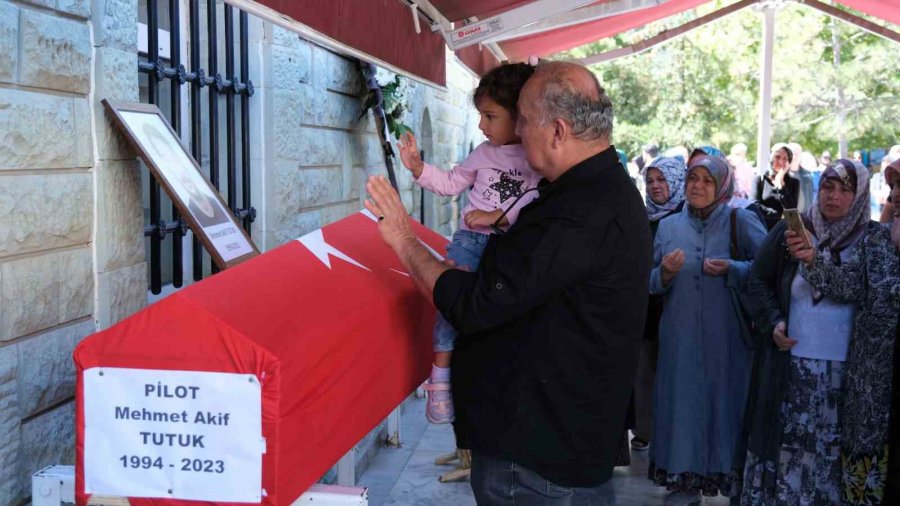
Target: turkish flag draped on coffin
pixel 330 324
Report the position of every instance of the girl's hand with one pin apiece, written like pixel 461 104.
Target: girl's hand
pixel 716 266
pixel 409 154
pixel 478 218
pixel 798 248
pixel 671 264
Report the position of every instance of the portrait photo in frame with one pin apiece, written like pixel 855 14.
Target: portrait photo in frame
pixel 200 205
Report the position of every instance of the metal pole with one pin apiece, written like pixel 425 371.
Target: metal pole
pixel 196 122
pixel 213 56
pixel 175 61
pixel 245 122
pixel 153 89
pixel 765 91
pixel 231 160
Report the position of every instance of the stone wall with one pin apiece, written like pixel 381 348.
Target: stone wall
pixel 317 151
pixel 71 212
pixel 60 187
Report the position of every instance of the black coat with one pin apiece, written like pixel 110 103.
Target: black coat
pixel 787 197
pixel 550 326
pixel 769 288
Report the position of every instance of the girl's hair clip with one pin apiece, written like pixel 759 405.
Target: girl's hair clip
pixel 533 60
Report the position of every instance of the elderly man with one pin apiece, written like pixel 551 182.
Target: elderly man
pixel 551 322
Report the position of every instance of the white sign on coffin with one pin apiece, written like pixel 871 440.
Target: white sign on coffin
pixel 173 434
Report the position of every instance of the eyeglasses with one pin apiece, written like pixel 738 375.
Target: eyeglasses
pixel 496 225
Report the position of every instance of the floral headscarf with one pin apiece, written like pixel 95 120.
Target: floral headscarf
pixel 839 234
pixel 721 172
pixel 673 170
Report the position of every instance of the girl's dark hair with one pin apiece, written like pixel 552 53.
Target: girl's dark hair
pixel 503 84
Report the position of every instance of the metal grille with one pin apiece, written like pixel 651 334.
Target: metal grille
pixel 218 89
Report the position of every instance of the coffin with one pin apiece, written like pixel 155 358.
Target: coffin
pixel 305 348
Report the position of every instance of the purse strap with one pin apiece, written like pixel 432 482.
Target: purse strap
pixel 735 251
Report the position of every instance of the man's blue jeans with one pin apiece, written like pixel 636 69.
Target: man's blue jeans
pixel 497 482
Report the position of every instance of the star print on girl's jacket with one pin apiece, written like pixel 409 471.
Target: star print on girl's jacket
pixel 496 174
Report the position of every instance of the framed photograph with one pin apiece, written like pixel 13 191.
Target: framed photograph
pixel 201 206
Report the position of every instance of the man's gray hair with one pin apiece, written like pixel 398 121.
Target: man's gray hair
pixel 560 97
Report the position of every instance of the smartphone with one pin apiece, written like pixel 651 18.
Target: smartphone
pixel 795 223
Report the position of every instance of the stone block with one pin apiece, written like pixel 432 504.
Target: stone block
pixel 56 53
pixel 338 111
pixel 321 147
pixel 49 439
pixel 288 109
pixel 9 39
pixel 282 195
pixel 122 292
pixel 290 66
pixel 76 284
pixel 29 298
pixel 37 131
pixel 46 371
pixel 120 213
pixel 331 214
pixel 111 143
pixel 365 149
pixel 39 212
pixel 285 37
pixel 50 4
pixel 320 186
pixel 12 486
pixel 84 142
pixel 80 8
pixel 308 221
pixel 354 182
pixel 340 74
pixel 117 76
pixel 115 24
pixel 115 79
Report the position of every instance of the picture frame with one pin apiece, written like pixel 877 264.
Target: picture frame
pixel 178 173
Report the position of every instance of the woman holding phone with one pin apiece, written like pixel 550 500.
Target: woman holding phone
pixel 871 281
pixel 804 332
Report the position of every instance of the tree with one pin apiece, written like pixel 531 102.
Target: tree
pixel 702 88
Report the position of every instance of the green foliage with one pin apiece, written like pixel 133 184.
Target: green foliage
pixel 394 96
pixel 703 88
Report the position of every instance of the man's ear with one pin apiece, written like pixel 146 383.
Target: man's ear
pixel 561 132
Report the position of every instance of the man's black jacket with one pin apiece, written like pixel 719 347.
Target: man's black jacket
pixel 550 326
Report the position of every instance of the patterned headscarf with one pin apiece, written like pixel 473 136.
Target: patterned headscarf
pixel 673 170
pixel 839 234
pixel 722 173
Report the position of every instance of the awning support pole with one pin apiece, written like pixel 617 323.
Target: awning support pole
pixel 765 90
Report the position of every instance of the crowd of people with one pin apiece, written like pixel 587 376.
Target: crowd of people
pixel 774 386
pixel 741 325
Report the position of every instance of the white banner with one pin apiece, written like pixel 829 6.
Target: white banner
pixel 173 434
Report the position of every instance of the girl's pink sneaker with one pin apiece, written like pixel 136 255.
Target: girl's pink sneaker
pixel 439 408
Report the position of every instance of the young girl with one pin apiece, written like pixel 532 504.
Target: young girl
pixel 498 175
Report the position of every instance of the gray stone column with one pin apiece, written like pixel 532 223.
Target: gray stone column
pixel 121 269
pixel 46 225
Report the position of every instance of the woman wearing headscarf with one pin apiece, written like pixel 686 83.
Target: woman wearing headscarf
pixel 664 181
pixel 793 410
pixel 701 385
pixel 870 279
pixel 778 190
